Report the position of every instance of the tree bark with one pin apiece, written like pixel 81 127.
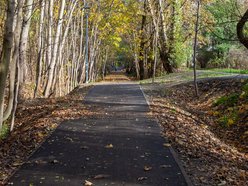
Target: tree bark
pixel 164 51
pixel 52 65
pixel 142 46
pixel 40 49
pixel 195 47
pixel 6 53
pixel 24 39
pixel 240 29
pixel 14 60
pixel 155 53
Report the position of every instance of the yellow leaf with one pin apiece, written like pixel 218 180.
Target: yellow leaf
pixel 216 113
pixel 110 146
pixel 230 122
pixel 147 168
pixel 166 145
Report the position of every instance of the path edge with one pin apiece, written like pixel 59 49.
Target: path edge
pixel 173 152
pixel 6 181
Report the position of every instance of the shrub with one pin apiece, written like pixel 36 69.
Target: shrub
pixel 229 118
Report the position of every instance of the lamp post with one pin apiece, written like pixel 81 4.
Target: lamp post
pixel 87 9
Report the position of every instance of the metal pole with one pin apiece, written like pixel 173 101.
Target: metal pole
pixel 87 49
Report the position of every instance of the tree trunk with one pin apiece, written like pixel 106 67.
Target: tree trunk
pixel 15 59
pixel 24 39
pixel 155 53
pixel 40 49
pixel 240 29
pixel 6 53
pixel 195 47
pixel 52 65
pixel 142 46
pixel 164 51
pixel 104 63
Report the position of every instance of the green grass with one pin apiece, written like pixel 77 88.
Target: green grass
pixel 4 132
pixel 227 101
pixel 184 76
pixel 230 70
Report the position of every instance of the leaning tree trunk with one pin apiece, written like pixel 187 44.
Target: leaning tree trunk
pixel 240 29
pixel 5 57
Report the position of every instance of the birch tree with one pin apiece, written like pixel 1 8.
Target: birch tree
pixel 28 10
pixel 6 53
pixel 52 65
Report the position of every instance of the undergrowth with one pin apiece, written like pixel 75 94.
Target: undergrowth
pixel 4 132
pixel 230 108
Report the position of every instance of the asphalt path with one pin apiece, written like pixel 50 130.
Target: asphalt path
pixel 120 145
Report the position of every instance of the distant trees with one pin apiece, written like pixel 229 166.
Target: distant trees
pixel 43 46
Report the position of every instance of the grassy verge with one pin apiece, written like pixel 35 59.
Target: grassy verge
pixel 230 70
pixel 185 76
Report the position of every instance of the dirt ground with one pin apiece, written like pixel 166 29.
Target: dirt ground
pixel 211 154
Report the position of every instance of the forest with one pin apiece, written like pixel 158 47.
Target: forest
pixel 43 42
pixel 48 48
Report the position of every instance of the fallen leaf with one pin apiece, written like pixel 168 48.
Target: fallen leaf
pixel 165 166
pixel 88 183
pixel 40 162
pixel 110 146
pixel 54 161
pixel 167 145
pixel 101 176
pixel 147 168
pixel 222 183
pixel 17 164
pixel 84 147
pixel 142 178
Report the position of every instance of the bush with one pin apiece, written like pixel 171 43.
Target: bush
pixel 217 63
pixel 237 58
pixel 228 119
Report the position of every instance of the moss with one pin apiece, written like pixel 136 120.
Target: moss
pixel 4 132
